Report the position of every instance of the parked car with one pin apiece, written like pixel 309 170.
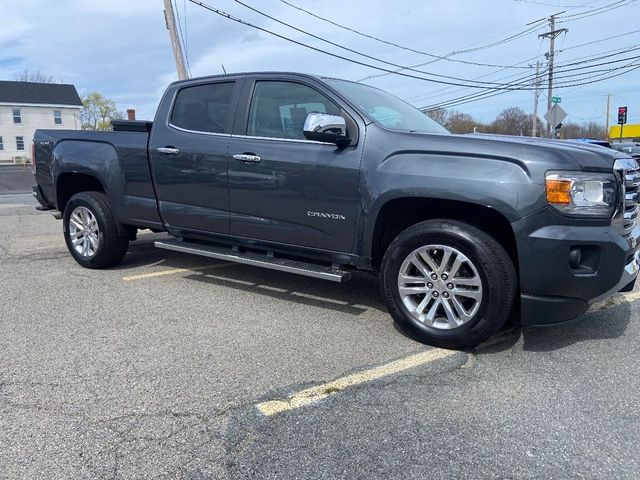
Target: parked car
pixel 630 148
pixel 319 176
pixel 591 141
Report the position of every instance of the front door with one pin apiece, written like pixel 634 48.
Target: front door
pixel 189 157
pixel 284 188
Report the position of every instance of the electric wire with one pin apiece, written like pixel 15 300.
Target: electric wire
pixel 351 50
pixel 341 57
pixel 393 44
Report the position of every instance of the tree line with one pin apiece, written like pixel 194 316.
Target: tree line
pixel 512 121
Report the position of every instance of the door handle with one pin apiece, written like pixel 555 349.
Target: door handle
pixel 168 150
pixel 247 157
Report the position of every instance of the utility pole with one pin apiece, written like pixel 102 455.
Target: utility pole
pixel 536 97
pixel 170 20
pixel 606 120
pixel 551 34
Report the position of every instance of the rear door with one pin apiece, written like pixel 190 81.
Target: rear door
pixel 289 189
pixel 188 153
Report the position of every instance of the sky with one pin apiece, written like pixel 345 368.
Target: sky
pixel 122 49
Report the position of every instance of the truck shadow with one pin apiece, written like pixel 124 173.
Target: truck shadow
pixel 354 297
pixel 362 293
pixel 597 324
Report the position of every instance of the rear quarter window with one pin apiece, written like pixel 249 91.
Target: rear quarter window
pixel 203 108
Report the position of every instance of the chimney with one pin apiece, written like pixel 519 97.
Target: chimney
pixel 131 114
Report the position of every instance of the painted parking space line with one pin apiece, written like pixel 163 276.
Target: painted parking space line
pixel 173 271
pixel 312 395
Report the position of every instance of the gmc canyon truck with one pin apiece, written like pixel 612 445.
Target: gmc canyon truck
pixel 320 177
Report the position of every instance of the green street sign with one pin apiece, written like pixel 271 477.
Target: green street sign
pixel 556 99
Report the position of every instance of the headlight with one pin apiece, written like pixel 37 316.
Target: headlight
pixel 582 193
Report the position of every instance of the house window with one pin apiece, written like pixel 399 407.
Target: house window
pixel 1 144
pixel 17 118
pixel 19 143
pixel 57 117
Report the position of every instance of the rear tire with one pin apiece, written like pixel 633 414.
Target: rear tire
pixel 455 305
pixel 91 231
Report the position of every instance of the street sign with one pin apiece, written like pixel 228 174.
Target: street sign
pixel 556 100
pixel 622 115
pixel 555 116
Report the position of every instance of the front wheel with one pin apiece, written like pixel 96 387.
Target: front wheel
pixel 448 283
pixel 91 232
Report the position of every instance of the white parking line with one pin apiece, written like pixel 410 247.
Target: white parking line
pixel 173 271
pixel 314 394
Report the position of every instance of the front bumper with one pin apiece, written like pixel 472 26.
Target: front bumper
pixel 553 290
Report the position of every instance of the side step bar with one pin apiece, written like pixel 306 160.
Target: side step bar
pixel 333 274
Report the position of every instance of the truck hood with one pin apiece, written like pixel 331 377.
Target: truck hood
pixel 588 157
pixel 535 155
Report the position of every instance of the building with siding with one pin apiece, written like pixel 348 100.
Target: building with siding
pixel 27 106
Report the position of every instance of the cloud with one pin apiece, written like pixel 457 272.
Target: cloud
pixel 121 47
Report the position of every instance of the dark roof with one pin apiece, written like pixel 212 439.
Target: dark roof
pixel 30 92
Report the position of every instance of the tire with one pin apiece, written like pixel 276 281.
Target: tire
pixel 474 303
pixel 98 244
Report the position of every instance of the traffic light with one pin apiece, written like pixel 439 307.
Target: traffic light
pixel 622 115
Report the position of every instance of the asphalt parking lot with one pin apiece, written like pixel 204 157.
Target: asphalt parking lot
pixel 172 366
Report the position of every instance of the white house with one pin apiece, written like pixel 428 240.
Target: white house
pixel 27 106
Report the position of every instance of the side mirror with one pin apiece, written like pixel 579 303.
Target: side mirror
pixel 323 127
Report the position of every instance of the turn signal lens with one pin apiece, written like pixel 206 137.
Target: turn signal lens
pixel 583 194
pixel 559 191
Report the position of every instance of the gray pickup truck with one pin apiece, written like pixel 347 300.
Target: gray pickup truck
pixel 320 177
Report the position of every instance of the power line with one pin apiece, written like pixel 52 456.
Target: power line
pixel 600 40
pixel 483 95
pixel 468 50
pixel 551 4
pixel 570 83
pixel 393 44
pixel 341 57
pixel 560 67
pixel 371 57
pixel 596 11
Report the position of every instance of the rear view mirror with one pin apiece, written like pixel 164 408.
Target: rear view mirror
pixel 323 127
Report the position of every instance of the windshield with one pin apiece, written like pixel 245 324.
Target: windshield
pixel 385 109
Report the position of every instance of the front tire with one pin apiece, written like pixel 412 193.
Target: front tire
pixel 91 231
pixel 448 283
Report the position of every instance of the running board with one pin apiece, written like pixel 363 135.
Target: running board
pixel 333 274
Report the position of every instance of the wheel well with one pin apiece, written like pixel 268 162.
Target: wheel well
pixel 71 183
pixel 399 214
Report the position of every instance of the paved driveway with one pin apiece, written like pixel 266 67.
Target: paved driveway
pixel 172 366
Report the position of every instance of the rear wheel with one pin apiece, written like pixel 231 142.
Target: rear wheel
pixel 448 283
pixel 91 232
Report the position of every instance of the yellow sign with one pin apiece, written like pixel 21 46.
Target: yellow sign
pixel 629 132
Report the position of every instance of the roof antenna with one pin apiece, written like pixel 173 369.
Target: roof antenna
pixel 224 69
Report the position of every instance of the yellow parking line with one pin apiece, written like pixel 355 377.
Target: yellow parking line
pixel 631 296
pixel 319 392
pixel 173 271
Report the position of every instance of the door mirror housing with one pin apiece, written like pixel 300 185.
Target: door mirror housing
pixel 323 127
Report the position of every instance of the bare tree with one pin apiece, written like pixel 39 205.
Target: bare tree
pixel 458 122
pixel 583 130
pixel 35 77
pixel 438 114
pixel 512 121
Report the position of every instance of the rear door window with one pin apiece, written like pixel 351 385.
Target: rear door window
pixel 203 108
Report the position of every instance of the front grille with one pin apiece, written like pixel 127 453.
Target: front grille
pixel 631 192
